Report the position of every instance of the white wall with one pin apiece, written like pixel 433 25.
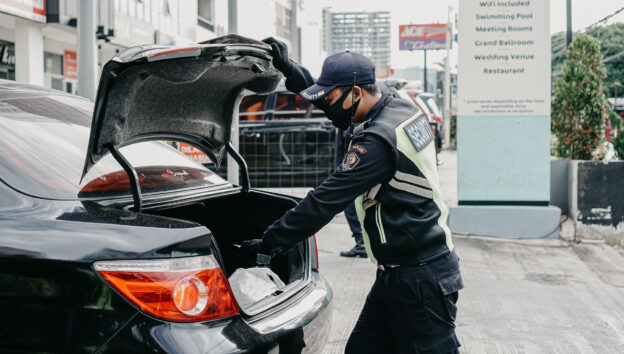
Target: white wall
pixel 310 20
pixel 220 22
pixel 28 52
pixel 257 19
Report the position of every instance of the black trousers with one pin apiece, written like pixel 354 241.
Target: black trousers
pixel 410 309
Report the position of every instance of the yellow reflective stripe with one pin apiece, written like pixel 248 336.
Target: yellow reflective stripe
pixel 412 179
pixel 373 192
pixel 410 188
pixel 382 234
pixel 425 161
pixel 359 210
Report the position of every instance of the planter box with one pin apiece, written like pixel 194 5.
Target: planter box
pixel 595 197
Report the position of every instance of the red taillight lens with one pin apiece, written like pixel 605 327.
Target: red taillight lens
pixel 315 264
pixel 188 289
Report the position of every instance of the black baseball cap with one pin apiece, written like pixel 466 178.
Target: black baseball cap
pixel 338 70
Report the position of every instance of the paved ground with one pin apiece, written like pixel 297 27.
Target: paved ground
pixel 537 296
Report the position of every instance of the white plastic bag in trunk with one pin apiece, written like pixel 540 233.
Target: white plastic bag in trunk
pixel 251 285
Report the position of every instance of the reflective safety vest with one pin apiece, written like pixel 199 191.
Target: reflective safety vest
pixel 404 218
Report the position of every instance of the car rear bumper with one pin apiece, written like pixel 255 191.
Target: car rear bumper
pixel 301 321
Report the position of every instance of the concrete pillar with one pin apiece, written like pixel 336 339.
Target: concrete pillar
pixel 28 52
pixel 87 50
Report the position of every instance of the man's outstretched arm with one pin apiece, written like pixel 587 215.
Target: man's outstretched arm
pixel 367 163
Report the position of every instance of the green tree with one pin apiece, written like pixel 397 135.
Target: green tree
pixel 579 106
pixel 611 40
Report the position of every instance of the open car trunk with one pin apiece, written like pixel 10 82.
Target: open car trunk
pixel 191 94
pixel 243 216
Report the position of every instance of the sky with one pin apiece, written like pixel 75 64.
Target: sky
pixel 584 13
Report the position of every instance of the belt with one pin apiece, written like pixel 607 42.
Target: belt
pixel 385 267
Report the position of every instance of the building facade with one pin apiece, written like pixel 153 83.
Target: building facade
pixel 38 41
pixel 367 33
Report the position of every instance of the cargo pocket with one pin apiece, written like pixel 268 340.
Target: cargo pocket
pixel 450 287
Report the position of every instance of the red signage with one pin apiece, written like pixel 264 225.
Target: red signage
pixel 70 65
pixel 422 37
pixel 193 153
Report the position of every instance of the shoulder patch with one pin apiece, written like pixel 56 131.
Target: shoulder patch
pixel 350 161
pixel 359 148
pixel 419 133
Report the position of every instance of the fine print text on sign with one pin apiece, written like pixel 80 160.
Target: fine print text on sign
pixel 422 37
pixel 504 58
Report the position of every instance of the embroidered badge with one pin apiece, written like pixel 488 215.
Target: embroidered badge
pixel 312 97
pixel 419 133
pixel 358 148
pixel 350 161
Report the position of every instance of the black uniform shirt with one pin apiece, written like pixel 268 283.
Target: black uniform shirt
pixel 369 161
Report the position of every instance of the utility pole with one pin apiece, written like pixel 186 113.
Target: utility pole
pixel 569 22
pixel 87 50
pixel 447 82
pixel 232 166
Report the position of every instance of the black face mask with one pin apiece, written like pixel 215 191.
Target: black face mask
pixel 340 117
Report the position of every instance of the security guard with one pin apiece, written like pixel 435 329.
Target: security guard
pixel 390 171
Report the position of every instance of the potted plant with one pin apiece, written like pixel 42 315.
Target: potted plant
pixel 579 108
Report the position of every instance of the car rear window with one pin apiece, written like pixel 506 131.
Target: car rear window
pixel 422 105
pixel 252 107
pixel 43 144
pixel 433 107
pixel 289 106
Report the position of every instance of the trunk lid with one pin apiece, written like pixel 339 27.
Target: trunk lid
pixel 189 94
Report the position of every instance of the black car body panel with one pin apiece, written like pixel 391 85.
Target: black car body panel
pixel 53 300
pixel 50 297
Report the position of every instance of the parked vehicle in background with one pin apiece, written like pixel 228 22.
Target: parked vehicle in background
pixel 426 102
pixel 286 141
pixel 112 241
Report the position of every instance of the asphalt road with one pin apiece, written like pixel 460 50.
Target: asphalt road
pixel 521 296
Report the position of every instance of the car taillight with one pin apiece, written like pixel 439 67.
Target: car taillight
pixel 315 262
pixel 189 289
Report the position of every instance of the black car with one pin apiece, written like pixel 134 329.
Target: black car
pixel 286 141
pixel 131 249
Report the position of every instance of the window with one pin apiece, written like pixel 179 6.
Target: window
pixel 252 107
pixel 289 106
pixel 57 84
pixel 53 63
pixel 283 20
pixel 43 143
pixel 205 14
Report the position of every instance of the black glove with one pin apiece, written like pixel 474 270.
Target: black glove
pixel 280 55
pixel 249 251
